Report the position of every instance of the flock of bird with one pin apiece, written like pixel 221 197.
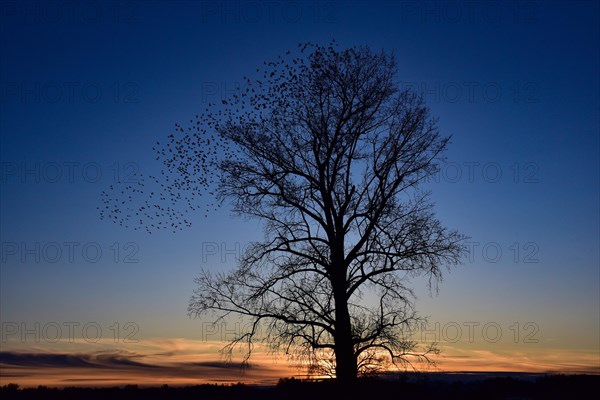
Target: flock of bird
pixel 192 157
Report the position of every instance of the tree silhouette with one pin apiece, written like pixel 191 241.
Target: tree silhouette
pixel 329 153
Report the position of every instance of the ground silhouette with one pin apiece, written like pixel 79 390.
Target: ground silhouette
pixel 507 387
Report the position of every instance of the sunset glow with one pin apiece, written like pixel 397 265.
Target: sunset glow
pixel 189 362
pixel 92 92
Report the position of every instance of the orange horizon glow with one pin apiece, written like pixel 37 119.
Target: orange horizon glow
pixel 181 362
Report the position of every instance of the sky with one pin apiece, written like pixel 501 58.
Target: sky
pixel 88 88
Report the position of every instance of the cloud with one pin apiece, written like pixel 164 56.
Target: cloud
pixel 218 364
pixel 114 368
pixel 189 362
pixel 44 360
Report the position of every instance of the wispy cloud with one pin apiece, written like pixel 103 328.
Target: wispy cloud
pixel 153 363
pixel 184 361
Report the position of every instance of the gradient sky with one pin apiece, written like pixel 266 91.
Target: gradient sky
pixel 87 89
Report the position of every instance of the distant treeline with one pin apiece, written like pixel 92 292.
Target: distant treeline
pixel 546 387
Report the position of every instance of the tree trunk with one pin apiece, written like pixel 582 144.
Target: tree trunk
pixel 346 370
pixel 345 359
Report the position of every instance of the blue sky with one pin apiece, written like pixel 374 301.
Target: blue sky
pixel 88 88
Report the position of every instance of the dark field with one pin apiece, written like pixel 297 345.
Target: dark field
pixel 440 386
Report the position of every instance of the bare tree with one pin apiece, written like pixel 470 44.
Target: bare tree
pixel 330 153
